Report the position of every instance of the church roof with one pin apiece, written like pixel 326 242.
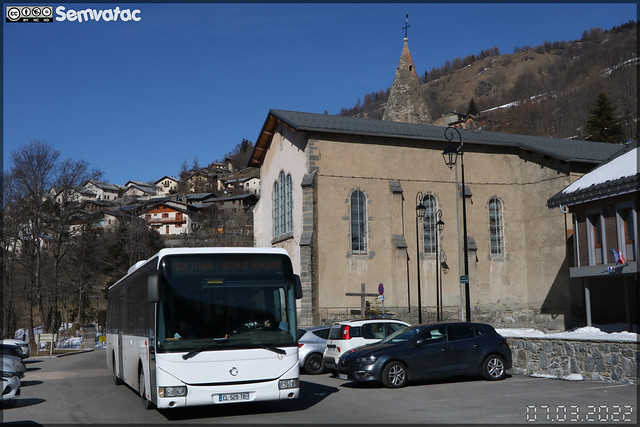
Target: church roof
pixel 561 149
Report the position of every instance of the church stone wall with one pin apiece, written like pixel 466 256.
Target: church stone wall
pixel 509 290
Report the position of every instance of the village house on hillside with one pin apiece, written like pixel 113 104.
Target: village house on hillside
pixel 603 259
pixel 340 194
pixel 166 186
pixel 135 190
pixel 169 218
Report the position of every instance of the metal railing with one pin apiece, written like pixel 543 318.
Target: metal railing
pixel 329 315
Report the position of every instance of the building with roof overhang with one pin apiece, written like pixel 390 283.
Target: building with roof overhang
pixel 603 209
pixel 339 193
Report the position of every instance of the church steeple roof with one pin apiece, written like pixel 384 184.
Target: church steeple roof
pixel 406 101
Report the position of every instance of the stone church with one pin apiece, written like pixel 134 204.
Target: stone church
pixel 340 194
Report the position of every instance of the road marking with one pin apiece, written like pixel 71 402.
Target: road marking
pixel 56 375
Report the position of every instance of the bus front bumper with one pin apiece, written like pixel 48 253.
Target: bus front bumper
pixel 221 394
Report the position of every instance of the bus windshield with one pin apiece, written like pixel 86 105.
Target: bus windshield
pixel 222 301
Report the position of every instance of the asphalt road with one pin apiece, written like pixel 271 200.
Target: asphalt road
pixel 78 389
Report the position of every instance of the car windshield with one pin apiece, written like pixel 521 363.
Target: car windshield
pixel 404 334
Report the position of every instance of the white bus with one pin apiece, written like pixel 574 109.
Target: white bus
pixel 203 326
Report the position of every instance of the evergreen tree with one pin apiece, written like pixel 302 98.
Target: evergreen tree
pixel 602 124
pixel 472 108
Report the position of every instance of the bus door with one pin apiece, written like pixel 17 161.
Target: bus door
pixel 121 319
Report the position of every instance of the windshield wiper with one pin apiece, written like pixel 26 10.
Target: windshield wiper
pixel 200 349
pixel 274 349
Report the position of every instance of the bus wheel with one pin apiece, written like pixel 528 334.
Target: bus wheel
pixel 116 380
pixel 145 403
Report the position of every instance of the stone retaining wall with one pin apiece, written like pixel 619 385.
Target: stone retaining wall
pixel 593 360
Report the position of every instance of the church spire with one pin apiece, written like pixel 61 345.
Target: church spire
pixel 406 101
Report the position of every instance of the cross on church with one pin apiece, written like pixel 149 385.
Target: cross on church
pixel 362 294
pixel 406 24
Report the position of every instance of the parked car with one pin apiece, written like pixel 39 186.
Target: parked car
pixel 10 388
pixel 22 345
pixel 311 342
pixel 11 360
pixel 429 351
pixel 350 334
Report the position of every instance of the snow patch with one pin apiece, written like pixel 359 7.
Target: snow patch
pixel 586 333
pixel 620 167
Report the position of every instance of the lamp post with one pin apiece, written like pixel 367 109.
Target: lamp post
pixel 445 270
pixel 439 228
pixel 420 208
pixel 450 156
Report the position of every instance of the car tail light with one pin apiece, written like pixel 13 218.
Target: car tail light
pixel 345 332
pixel 300 345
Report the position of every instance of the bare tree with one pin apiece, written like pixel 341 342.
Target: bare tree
pixel 65 210
pixel 32 174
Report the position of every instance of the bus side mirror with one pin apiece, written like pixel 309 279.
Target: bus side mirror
pixel 298 289
pixel 153 287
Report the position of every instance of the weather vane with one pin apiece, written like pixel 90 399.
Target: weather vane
pixel 406 24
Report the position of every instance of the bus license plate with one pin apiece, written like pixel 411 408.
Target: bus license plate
pixel 233 397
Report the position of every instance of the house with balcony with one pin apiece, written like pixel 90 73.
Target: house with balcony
pixel 602 206
pixel 168 218
pixel 166 186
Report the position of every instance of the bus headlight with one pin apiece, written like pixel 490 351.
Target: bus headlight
pixel 286 384
pixel 179 391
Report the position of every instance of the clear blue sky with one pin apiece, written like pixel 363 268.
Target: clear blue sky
pixel 136 99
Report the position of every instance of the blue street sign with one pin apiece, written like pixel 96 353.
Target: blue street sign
pixel 381 289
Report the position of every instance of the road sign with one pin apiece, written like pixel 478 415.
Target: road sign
pixel 381 289
pixel 380 297
pixel 464 279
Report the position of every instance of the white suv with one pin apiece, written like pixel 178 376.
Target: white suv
pixel 344 336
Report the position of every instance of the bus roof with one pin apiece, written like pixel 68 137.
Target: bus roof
pixel 202 250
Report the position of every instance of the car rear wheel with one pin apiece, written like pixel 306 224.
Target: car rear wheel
pixel 394 375
pixel 494 368
pixel 314 364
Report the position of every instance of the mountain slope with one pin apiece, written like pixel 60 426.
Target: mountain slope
pixel 546 90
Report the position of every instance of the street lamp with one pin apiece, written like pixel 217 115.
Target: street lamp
pixel 439 228
pixel 420 208
pixel 450 156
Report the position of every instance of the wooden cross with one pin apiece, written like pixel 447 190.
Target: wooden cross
pixel 406 24
pixel 362 294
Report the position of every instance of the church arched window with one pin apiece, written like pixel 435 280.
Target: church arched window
pixel 358 222
pixel 276 209
pixel 429 223
pixel 496 227
pixel 282 200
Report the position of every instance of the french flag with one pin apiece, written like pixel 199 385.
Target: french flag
pixel 618 257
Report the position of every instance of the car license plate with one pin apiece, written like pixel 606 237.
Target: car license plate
pixel 343 377
pixel 233 397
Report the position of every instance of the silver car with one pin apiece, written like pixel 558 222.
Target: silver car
pixel 23 346
pixel 10 388
pixel 11 361
pixel 13 369
pixel 311 342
